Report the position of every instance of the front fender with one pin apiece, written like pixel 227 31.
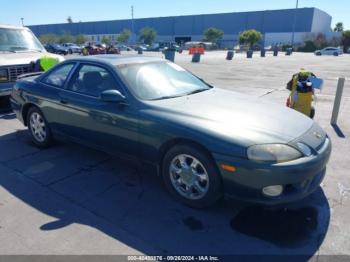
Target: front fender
pixel 156 131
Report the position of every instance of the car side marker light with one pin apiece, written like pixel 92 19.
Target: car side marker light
pixel 228 168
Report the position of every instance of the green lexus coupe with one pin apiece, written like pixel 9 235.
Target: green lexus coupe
pixel 206 142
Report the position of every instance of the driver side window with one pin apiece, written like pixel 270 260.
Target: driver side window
pixel 92 80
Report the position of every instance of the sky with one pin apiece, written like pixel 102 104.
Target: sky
pixel 49 12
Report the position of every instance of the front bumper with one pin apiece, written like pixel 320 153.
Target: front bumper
pixel 6 88
pixel 299 178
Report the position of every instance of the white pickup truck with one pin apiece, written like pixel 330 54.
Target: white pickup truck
pixel 18 48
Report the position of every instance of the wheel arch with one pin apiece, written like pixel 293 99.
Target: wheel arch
pixel 25 111
pixel 181 141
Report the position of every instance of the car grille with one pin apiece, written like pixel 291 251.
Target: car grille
pixel 15 71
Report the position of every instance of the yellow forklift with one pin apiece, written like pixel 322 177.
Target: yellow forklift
pixel 302 92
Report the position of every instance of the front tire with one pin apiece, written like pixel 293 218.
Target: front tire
pixel 191 176
pixel 39 128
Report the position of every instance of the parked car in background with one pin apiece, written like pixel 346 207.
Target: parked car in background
pixel 123 47
pixel 102 47
pixel 268 48
pixel 142 47
pixel 56 49
pixel 161 46
pixel 72 48
pixel 335 51
pixel 206 45
pixel 175 47
pixel 19 49
pixel 155 47
pixel 205 142
pixel 111 49
pixel 93 50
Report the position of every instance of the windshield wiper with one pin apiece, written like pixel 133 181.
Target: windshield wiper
pixel 196 91
pixel 167 97
pixel 186 94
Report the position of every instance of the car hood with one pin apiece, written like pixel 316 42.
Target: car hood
pixel 239 118
pixel 23 58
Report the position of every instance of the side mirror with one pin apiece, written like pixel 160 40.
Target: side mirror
pixel 112 96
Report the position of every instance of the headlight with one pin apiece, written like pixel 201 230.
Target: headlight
pixel 3 75
pixel 273 153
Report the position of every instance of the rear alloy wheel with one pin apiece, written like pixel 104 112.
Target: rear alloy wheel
pixel 191 176
pixel 38 128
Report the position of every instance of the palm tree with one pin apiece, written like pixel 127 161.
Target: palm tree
pixel 339 27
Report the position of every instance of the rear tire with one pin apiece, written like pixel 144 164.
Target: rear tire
pixel 191 176
pixel 39 129
pixel 312 113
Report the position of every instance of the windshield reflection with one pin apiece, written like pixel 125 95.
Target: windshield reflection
pixel 17 40
pixel 160 80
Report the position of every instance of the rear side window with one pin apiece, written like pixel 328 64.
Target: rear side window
pixel 58 76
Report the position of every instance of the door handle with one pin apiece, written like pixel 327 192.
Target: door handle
pixel 64 102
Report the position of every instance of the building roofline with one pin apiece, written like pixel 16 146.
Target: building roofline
pixel 157 17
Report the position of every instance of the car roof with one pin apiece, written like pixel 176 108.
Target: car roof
pixel 118 59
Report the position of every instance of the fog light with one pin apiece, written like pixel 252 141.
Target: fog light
pixel 273 191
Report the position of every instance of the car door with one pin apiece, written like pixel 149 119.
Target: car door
pixel 108 126
pixel 51 85
pixel 329 51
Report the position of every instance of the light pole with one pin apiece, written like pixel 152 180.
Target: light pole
pixel 294 21
pixel 22 19
pixel 132 24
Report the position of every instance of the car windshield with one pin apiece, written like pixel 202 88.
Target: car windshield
pixel 160 80
pixel 17 40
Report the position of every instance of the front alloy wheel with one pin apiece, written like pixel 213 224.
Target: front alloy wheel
pixel 191 176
